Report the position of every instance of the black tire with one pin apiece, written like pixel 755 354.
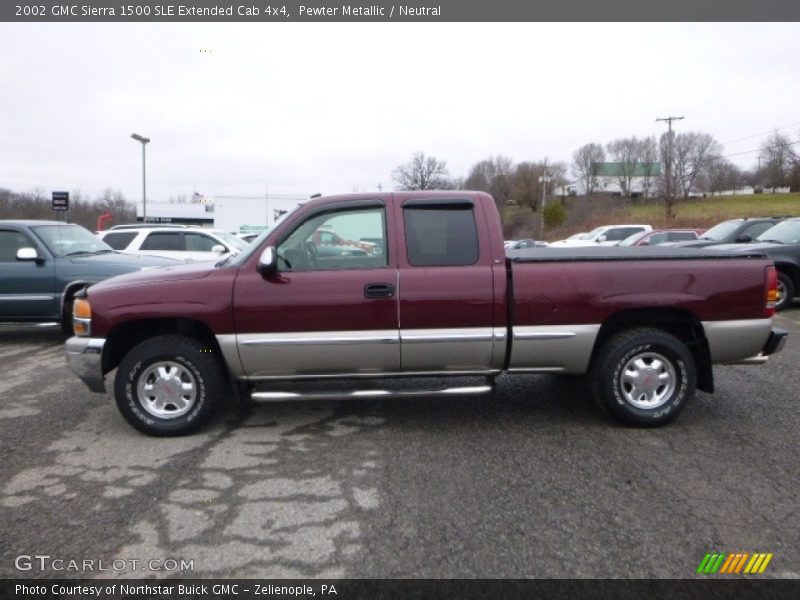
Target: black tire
pixel 637 356
pixel 785 292
pixel 169 364
pixel 66 318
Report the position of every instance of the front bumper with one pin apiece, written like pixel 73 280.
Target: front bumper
pixel 84 357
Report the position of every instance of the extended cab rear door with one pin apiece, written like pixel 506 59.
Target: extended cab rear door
pixel 329 310
pixel 448 316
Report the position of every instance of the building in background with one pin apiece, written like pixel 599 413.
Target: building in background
pixel 231 213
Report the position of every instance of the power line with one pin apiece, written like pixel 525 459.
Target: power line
pixel 757 150
pixel 749 137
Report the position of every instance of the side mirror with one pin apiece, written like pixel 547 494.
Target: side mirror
pixel 27 254
pixel 268 262
pixel 602 238
pixel 644 243
pixel 744 239
pixel 218 248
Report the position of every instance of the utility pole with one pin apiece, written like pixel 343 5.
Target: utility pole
pixel 668 180
pixel 543 180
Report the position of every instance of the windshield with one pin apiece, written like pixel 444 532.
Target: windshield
pixel 721 231
pixel 70 240
pixel 242 257
pixel 787 232
pixel 632 239
pixel 593 233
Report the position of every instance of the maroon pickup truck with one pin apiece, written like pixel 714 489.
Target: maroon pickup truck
pixel 437 296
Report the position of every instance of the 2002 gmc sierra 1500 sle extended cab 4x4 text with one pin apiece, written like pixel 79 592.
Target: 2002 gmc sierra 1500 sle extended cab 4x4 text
pixel 436 296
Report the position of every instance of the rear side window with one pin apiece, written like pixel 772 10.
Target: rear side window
pixel 163 240
pixel 441 236
pixel 120 240
pixel 620 233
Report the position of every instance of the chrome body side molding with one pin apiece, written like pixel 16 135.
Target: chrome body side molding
pixel 448 350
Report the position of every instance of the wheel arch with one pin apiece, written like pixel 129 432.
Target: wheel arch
pixel 683 324
pixel 791 270
pixel 72 288
pixel 125 336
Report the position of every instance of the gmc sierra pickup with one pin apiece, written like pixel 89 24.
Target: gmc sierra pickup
pixel 438 296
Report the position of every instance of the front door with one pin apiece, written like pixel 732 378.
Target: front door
pixel 28 286
pixel 330 309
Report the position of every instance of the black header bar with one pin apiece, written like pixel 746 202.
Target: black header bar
pixel 268 11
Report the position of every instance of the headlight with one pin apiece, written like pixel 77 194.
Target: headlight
pixel 81 317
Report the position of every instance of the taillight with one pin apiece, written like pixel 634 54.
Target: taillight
pixel 770 291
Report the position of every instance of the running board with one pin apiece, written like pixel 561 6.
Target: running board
pixel 450 391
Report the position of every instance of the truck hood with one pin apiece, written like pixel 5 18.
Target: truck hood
pixel 149 276
pixel 134 261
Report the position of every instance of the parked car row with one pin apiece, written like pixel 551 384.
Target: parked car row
pixel 44 263
pixel 778 237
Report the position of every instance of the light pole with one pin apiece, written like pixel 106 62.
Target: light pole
pixel 144 141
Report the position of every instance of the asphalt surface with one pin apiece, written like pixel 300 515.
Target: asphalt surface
pixel 531 481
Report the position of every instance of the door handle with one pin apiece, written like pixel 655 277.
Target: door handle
pixel 378 290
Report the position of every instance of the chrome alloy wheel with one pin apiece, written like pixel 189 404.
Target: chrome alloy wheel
pixel 167 389
pixel 648 380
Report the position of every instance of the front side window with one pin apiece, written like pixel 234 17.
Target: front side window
pixel 10 242
pixel 441 235
pixel 344 239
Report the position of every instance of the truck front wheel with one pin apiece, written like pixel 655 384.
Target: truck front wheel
pixel 168 385
pixel 785 292
pixel 644 377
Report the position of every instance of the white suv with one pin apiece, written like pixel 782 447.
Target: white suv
pixel 191 244
pixel 607 235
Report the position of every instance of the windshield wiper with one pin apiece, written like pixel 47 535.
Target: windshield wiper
pixel 770 241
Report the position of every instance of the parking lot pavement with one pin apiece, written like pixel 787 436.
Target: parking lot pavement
pixel 528 482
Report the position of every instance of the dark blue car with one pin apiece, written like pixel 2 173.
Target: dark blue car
pixel 44 263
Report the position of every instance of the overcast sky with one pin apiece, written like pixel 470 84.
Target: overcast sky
pixel 299 108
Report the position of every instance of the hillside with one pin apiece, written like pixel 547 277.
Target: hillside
pixel 584 214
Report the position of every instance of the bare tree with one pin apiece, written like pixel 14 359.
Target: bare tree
pixel 493 176
pixel 528 185
pixel 723 175
pixel 651 167
pixel 778 158
pixel 626 152
pixel 584 165
pixel 422 173
pixel 693 153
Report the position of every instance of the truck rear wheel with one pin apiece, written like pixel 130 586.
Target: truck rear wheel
pixel 168 385
pixel 644 377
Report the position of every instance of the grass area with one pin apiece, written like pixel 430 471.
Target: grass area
pixel 696 213
pixel 708 211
